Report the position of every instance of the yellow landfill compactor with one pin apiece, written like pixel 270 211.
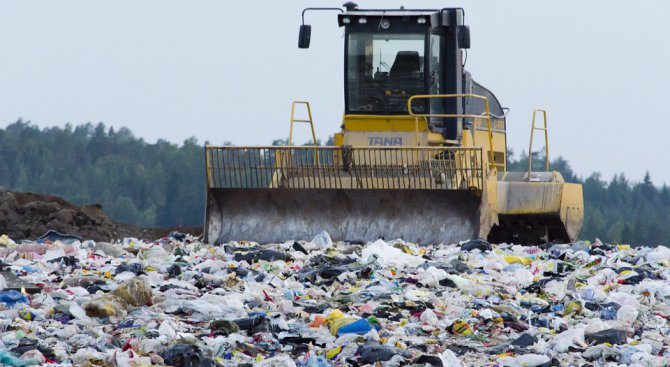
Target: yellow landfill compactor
pixel 421 154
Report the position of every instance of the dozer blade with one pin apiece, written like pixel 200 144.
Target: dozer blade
pixel 274 194
pixel 277 215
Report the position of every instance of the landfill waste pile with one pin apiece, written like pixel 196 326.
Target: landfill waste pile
pixel 28 215
pixel 179 302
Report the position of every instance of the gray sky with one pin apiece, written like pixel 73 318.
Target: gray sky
pixel 228 70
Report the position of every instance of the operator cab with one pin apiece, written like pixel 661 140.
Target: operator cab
pixel 393 54
pixel 385 61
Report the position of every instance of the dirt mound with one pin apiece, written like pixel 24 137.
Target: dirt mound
pixel 28 216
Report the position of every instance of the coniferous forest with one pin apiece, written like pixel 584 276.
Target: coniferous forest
pixel 163 184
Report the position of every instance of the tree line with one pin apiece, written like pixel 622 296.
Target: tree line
pixel 162 184
pixel 150 185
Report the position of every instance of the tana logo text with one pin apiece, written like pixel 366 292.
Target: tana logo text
pixel 378 140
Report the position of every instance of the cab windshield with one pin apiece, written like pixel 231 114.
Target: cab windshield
pixel 383 71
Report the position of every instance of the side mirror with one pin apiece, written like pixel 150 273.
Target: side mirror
pixel 304 36
pixel 463 36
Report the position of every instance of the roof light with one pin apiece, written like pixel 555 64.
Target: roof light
pixel 346 20
pixel 421 20
pixel 362 20
pixel 385 23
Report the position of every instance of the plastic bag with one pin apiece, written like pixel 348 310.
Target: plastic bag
pixel 627 314
pixel 526 360
pixel 449 359
pixel 106 305
pixel 371 353
pixel 287 361
pixel 11 298
pixel 136 292
pixel 477 244
pixel 611 336
pixel 7 359
pixel 429 317
pixel 185 355
pixel 432 276
pixel 388 255
pixel 360 327
pixel 322 240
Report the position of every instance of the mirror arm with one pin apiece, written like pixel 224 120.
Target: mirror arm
pixel 304 10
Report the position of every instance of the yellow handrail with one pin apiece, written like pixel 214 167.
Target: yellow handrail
pixel 309 121
pixel 461 115
pixel 546 142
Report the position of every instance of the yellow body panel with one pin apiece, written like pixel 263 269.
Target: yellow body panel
pixel 481 141
pixel 338 139
pixel 523 198
pixel 383 123
pixel 385 138
pixel 408 130
pixel 572 208
pixel 372 130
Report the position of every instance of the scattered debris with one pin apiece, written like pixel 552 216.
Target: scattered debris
pixel 177 301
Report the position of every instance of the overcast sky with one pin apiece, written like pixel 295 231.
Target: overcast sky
pixel 228 71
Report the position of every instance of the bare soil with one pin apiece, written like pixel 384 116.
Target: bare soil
pixel 25 215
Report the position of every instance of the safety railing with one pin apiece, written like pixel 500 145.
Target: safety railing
pixel 308 121
pixel 533 128
pixel 346 167
pixel 486 116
